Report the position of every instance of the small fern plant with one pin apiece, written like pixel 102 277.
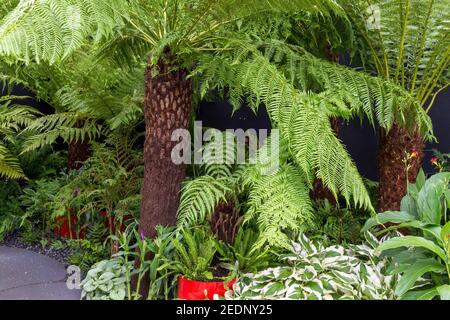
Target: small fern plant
pixel 194 254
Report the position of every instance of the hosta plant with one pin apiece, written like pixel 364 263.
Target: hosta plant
pixel 425 251
pixel 106 281
pixel 314 272
pixel 112 279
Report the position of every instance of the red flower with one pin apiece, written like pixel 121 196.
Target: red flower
pixel 434 161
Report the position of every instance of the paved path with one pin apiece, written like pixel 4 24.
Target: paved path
pixel 26 275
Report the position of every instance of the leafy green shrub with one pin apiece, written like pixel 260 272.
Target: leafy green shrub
pixel 425 212
pixel 135 247
pixel 312 271
pixel 39 199
pixel 109 181
pixel 10 212
pixel 85 253
pixel 106 280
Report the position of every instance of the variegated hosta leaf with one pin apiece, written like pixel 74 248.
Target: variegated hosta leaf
pixel 311 271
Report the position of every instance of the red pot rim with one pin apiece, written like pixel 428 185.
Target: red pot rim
pixel 200 290
pixel 183 278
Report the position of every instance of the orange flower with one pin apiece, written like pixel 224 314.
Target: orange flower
pixel 434 161
pixel 414 155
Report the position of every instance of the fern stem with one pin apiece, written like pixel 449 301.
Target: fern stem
pixel 402 43
pixel 422 47
pixel 432 82
pixel 421 92
pixel 434 97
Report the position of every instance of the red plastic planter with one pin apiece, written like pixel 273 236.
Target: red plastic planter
pixel 199 290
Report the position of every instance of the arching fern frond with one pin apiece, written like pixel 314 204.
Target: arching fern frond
pixel 13 119
pixel 9 164
pixel 52 30
pixel 199 197
pixel 280 202
pixel 46 130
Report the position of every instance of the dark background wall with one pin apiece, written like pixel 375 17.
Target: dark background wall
pixel 360 138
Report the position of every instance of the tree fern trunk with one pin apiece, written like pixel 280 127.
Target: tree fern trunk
pixel 78 151
pixel 167 106
pixel 395 147
pixel 226 221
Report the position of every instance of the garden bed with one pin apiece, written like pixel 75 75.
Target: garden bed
pixel 14 240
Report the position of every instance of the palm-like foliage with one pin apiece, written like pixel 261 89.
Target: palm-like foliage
pixel 406 41
pixel 86 90
pixel 52 30
pixel 300 92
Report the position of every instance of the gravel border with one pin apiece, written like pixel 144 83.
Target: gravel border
pixel 13 239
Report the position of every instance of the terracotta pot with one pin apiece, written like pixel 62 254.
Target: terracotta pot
pixel 66 230
pixel 200 290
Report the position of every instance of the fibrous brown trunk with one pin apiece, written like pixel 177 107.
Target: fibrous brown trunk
pixel 167 106
pixel 399 151
pixel 225 221
pixel 78 151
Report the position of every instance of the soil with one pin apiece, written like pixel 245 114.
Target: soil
pixel 219 273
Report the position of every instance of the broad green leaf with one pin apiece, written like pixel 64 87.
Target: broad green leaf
pixel 420 294
pixel 444 292
pixel 415 271
pixel 445 233
pixel 412 224
pixel 412 241
pixel 408 204
pixel 429 198
pixel 117 294
pixel 447 198
pixel 388 216
pixel 430 229
pixel 420 179
pixel 274 288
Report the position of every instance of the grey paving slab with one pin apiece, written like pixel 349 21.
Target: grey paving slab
pixel 46 291
pixel 29 275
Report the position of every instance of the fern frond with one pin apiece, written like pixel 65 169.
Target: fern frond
pixel 52 30
pixel 199 197
pixel 46 130
pixel 9 165
pixel 280 202
pixel 13 119
pixel 351 92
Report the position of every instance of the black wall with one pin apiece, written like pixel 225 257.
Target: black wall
pixel 360 138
